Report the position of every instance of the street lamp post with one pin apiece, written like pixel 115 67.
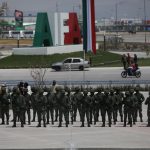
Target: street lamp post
pixel 145 21
pixel 18 38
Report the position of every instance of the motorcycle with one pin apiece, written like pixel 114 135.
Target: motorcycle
pixel 128 72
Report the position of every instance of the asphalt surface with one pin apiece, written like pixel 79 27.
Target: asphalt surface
pixel 74 137
pixel 91 74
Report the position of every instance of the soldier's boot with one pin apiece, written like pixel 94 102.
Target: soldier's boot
pixel 66 124
pixel 141 119
pixel 22 125
pixel 131 124
pixel 121 118
pixel 39 125
pixel 47 122
pixel 148 124
pixel 14 125
pixel 44 125
pixel 103 125
pixel 52 122
pixel 124 124
pixel 109 124
pixel 89 124
pixel 94 122
pixel 82 125
pixel 60 124
pixel 7 122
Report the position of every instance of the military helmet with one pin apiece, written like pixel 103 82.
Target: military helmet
pixel 99 89
pixel 77 88
pixel 137 88
pixel 92 90
pixel 132 91
pixel 106 92
pixel 85 92
pixel 25 90
pixel 127 93
pixel 40 90
pixel 63 91
pixel 111 90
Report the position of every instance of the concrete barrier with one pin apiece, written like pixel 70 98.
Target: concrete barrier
pixel 48 50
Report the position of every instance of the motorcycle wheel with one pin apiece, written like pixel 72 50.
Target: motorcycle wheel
pixel 138 74
pixel 124 74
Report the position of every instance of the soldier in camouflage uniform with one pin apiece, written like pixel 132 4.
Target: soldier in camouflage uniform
pixel 34 97
pixel 140 99
pixel 70 110
pixel 5 102
pixel 128 108
pixel 113 99
pixel 134 103
pixel 85 108
pixel 76 100
pixel 19 107
pixel 92 106
pixel 118 104
pixel 50 105
pixel 107 107
pixel 63 107
pixel 147 102
pixel 41 108
pixel 98 104
pixel 28 105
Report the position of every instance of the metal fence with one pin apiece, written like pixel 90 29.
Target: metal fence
pixel 80 83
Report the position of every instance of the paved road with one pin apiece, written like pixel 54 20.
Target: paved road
pixel 92 74
pixel 74 136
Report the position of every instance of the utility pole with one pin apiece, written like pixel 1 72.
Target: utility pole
pixel 116 23
pixel 145 21
pixel 57 7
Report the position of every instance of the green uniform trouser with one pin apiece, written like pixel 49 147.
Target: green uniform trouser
pixel 85 111
pixel 148 114
pixel 34 113
pixel 109 114
pixel 138 110
pixel 128 113
pixel 5 111
pixel 41 116
pixel 51 111
pixel 19 113
pixel 74 111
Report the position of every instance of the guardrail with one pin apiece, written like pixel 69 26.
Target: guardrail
pixel 89 83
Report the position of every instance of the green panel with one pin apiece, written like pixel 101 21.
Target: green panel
pixel 43 36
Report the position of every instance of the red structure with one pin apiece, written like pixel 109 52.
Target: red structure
pixel 74 35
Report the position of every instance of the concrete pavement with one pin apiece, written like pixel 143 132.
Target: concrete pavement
pixel 74 137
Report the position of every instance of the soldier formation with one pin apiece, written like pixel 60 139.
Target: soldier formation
pixel 57 104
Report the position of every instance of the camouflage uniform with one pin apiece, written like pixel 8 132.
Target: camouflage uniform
pixel 28 105
pixel 34 97
pixel 147 102
pixel 107 108
pixel 140 99
pixel 19 108
pixel 85 108
pixel 41 108
pixel 98 104
pixel 118 104
pixel 134 103
pixel 5 102
pixel 128 108
pixel 50 106
pixel 63 107
pixel 76 100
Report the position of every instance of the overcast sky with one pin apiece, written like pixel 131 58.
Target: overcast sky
pixel 104 8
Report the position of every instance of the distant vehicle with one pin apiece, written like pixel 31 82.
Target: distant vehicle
pixel 71 64
pixel 114 38
pixel 126 73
